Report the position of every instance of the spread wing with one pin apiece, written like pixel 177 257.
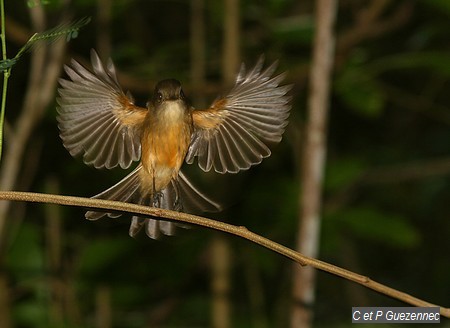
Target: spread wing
pixel 236 131
pixel 96 118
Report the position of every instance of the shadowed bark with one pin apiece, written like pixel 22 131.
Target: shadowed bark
pixel 314 153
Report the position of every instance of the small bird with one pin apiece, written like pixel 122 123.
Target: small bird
pixel 98 120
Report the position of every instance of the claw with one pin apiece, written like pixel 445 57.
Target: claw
pixel 157 199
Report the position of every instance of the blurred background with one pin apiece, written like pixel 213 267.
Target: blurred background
pixel 385 206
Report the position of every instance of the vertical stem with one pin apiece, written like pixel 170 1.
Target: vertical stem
pixel 6 74
pixel 231 41
pixel 220 248
pixel 5 307
pixel 53 237
pixel 103 307
pixel 104 14
pixel 221 265
pixel 314 161
pixel 5 299
pixel 2 111
pixel 198 56
pixel 3 32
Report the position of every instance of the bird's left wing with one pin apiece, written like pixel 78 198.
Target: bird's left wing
pixel 96 118
pixel 237 130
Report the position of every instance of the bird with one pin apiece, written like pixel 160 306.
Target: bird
pixel 102 123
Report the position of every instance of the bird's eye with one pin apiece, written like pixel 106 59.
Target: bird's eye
pixel 182 96
pixel 159 97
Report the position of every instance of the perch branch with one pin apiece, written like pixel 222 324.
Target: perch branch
pixel 240 231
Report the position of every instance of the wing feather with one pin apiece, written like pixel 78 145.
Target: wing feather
pixel 237 130
pixel 96 118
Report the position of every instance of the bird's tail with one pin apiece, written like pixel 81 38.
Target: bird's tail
pixel 179 195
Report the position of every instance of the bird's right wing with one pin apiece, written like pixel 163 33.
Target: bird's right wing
pixel 96 118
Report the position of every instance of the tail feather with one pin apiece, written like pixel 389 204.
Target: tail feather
pixel 194 200
pixel 153 228
pixel 126 190
pixel 179 195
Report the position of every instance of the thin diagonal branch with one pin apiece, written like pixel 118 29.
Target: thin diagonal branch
pixel 239 231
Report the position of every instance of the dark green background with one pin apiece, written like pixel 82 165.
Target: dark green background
pixel 386 207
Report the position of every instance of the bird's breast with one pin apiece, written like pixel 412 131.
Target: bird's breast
pixel 165 142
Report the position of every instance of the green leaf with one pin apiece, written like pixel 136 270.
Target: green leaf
pixel 343 171
pixel 437 62
pixel 69 31
pixel 360 92
pixel 294 30
pixel 440 5
pixel 30 313
pixel 34 3
pixel 102 253
pixel 371 223
pixel 26 256
pixel 7 64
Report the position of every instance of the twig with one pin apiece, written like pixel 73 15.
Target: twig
pixel 369 24
pixel 6 74
pixel 44 72
pixel 239 231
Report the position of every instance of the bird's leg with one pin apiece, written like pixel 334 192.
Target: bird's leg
pixel 156 200
pixel 177 205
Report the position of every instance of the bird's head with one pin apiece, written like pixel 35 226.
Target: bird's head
pixel 168 98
